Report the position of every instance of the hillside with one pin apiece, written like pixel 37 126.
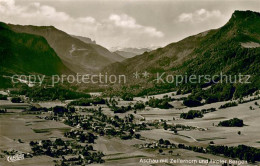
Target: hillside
pixel 79 56
pixel 106 53
pixel 231 49
pixel 22 53
pixel 241 29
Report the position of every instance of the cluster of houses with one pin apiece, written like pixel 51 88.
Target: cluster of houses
pixel 156 145
pixel 71 153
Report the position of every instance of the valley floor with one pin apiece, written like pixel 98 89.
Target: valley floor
pixel 17 129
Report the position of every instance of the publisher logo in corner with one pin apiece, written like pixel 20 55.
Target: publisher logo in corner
pixel 16 157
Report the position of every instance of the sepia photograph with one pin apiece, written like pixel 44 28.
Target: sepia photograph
pixel 129 82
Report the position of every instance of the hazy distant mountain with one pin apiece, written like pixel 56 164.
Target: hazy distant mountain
pixel 22 53
pixel 79 56
pixel 126 54
pixel 85 39
pixel 232 49
pixel 130 52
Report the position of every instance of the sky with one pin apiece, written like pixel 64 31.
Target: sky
pixel 126 23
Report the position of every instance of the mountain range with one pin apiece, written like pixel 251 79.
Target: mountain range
pixel 85 39
pixel 22 53
pixel 231 49
pixel 76 52
pixel 210 51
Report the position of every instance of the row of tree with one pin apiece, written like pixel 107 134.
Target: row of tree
pixel 159 103
pixel 191 114
pixel 241 152
pixel 3 97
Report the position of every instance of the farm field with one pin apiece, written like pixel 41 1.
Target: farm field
pixel 15 126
